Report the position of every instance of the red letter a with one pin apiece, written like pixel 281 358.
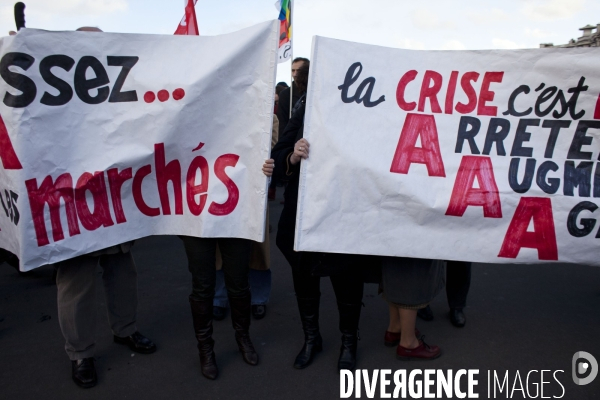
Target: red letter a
pixel 417 125
pixel 7 151
pixel 464 194
pixel 543 238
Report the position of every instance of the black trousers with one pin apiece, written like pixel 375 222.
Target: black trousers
pixel 458 282
pixel 201 254
pixel 273 183
pixel 348 285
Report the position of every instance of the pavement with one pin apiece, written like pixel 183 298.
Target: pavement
pixel 520 318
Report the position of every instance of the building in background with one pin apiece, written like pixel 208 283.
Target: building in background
pixel 588 39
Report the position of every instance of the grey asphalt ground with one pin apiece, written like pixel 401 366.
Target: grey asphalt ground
pixel 519 318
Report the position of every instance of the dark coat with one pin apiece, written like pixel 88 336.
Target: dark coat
pixel 284 171
pixel 283 109
pixel 323 264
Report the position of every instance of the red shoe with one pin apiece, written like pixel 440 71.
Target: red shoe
pixel 272 192
pixel 391 339
pixel 422 352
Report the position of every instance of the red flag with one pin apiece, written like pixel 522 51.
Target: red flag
pixel 188 24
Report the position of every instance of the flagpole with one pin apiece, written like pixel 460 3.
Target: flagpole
pixel 291 55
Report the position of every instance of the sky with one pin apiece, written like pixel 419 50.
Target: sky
pixel 419 25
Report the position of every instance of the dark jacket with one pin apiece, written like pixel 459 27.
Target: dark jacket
pixel 323 264
pixel 283 109
pixel 284 171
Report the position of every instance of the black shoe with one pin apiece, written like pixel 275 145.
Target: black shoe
pixel 425 314
pixel 457 317
pixel 137 342
pixel 219 313
pixel 83 372
pixel 259 311
pixel 313 343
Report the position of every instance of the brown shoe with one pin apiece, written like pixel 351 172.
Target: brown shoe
pixel 391 339
pixel 422 352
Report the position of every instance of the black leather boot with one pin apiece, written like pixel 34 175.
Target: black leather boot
pixel 349 317
pixel 240 317
pixel 313 343
pixel 202 316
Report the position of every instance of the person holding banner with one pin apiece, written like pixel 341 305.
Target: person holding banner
pixel 260 268
pixel 348 284
pixel 280 87
pixel 76 300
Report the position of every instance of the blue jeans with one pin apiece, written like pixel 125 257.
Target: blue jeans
pixel 260 288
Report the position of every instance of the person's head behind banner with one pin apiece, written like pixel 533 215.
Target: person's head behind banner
pixel 82 29
pixel 281 86
pixel 89 29
pixel 297 63
pixel 302 78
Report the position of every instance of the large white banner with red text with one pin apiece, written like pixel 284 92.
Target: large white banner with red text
pixel 487 156
pixel 106 138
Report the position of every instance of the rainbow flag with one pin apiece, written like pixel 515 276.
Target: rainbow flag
pixel 285 30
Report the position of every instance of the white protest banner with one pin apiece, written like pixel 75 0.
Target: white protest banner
pixel 106 138
pixel 486 156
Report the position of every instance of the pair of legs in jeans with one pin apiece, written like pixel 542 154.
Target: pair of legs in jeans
pixel 260 288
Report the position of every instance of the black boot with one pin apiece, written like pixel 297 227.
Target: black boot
pixel 240 317
pixel 349 316
pixel 202 316
pixel 313 343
